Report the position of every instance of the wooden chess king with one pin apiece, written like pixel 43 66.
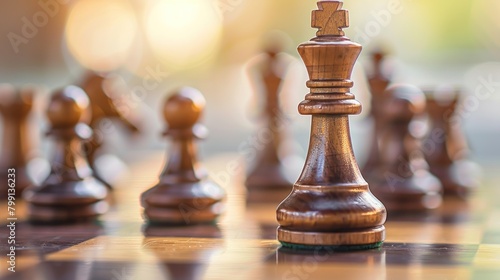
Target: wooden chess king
pixel 330 204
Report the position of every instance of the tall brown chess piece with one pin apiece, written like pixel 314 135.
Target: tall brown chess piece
pixel 102 107
pixel 184 195
pixel 266 180
pixel 378 82
pixel 331 204
pixel 15 107
pixel 70 192
pixel 446 148
pixel 402 181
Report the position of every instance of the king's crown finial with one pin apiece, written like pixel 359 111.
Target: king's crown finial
pixel 330 18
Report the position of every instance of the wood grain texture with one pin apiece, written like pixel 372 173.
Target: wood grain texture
pixel 459 240
pixel 330 203
pixel 70 192
pixel 183 195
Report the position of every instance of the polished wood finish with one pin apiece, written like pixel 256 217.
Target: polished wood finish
pixel 184 195
pixel 459 240
pixel 70 192
pixel 330 203
pixel 402 181
pixel 266 179
pixel 446 148
pixel 102 107
pixel 15 108
pixel 378 81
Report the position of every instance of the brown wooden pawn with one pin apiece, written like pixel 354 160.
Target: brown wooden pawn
pixel 184 195
pixel 70 192
pixel 15 107
pixel 402 181
pixel 446 148
pixel 266 180
pixel 330 204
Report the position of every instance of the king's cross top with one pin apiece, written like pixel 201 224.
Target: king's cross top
pixel 330 18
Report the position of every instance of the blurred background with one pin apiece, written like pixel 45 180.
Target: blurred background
pixel 157 46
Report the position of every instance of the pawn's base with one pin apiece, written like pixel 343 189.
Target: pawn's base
pixel 348 240
pixel 183 203
pixel 66 202
pixel 47 214
pixel 184 214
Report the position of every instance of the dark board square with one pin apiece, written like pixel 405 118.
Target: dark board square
pixel 389 253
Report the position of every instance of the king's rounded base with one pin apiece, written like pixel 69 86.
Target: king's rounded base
pixel 335 248
pixel 345 240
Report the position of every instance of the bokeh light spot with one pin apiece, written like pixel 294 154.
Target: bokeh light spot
pixel 100 34
pixel 183 33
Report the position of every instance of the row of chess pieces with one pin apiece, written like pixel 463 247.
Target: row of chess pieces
pixel 72 192
pixel 418 152
pixel 75 188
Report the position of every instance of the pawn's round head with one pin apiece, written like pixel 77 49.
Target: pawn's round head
pixel 67 107
pixel 183 108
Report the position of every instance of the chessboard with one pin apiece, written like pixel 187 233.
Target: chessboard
pixel 459 240
pixel 416 209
